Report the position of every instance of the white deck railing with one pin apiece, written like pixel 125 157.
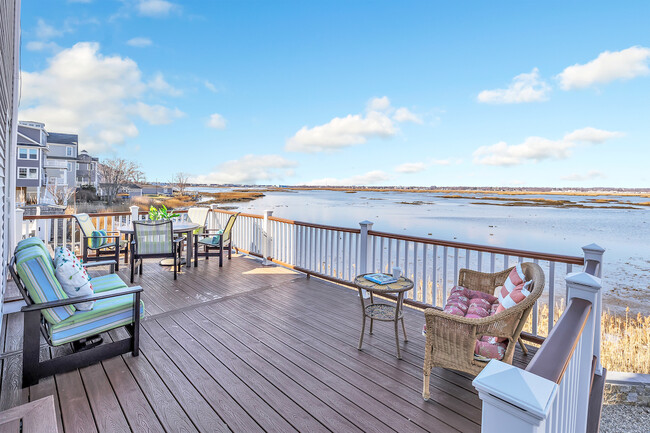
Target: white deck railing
pixel 339 254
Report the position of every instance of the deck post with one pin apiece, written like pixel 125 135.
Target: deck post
pixel 514 400
pixel 214 223
pixel 582 285
pixel 266 238
pixel 594 265
pixel 19 226
pixel 365 247
pixel 134 213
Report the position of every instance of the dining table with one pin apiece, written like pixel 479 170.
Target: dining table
pixel 180 228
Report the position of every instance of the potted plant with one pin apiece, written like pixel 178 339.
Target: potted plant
pixel 161 214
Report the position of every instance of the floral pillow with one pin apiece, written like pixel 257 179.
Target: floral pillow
pixel 73 277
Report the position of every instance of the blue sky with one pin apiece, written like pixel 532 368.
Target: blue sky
pixel 377 93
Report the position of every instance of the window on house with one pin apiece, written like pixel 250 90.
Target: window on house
pixel 22 153
pixel 33 173
pixel 22 173
pixel 70 166
pixel 68 151
pixel 33 154
pixel 78 166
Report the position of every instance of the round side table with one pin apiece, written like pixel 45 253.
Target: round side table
pixel 382 311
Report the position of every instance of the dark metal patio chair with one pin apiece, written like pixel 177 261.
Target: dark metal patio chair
pixel 154 239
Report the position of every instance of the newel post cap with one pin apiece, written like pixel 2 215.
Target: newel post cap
pixel 366 223
pixel 527 391
pixel 593 248
pixel 583 280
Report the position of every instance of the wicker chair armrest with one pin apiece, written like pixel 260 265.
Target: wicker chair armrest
pixel 482 281
pixel 447 325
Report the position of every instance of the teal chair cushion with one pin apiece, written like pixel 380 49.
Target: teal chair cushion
pixel 96 239
pixel 35 269
pixel 107 314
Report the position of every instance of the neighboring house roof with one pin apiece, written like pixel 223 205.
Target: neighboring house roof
pixel 24 140
pixel 61 138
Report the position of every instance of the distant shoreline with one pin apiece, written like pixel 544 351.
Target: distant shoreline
pixel 622 192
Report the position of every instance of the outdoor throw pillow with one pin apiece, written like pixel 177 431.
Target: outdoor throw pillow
pixel 73 277
pixel 96 239
pixel 514 289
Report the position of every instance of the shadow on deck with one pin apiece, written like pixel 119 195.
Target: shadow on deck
pixel 248 348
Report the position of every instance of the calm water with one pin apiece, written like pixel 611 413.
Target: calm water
pixel 624 233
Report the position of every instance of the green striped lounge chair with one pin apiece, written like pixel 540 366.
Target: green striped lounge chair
pixel 212 239
pixel 154 239
pixel 52 312
pixel 108 244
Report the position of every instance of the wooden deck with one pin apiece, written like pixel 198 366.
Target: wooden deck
pixel 247 348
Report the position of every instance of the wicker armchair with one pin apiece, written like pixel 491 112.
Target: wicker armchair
pixel 451 339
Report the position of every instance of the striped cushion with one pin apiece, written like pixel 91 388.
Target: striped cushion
pixel 107 282
pixel 31 242
pixel 37 274
pixel 107 314
pixel 514 289
pixel 96 240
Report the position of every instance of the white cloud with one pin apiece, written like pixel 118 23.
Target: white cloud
pixel 369 178
pixel 403 114
pixel 211 87
pixel 159 84
pixel 608 66
pixel 155 8
pixel 523 88
pixel 44 31
pixel 353 129
pixel 536 149
pixel 156 114
pixel 249 169
pixel 579 177
pixel 411 167
pixel 139 42
pixel 216 121
pixel 98 98
pixel 42 46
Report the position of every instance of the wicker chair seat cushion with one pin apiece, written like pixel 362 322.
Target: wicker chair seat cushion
pixel 473 304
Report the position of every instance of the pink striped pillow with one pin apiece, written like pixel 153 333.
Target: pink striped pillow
pixel 514 289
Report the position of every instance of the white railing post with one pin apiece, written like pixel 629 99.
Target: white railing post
pixel 134 213
pixel 594 265
pixel 365 247
pixel 514 400
pixel 582 285
pixel 214 223
pixel 19 227
pixel 266 238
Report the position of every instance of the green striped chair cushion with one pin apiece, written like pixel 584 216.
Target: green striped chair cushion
pixel 107 282
pixel 107 314
pixel 31 242
pixel 96 239
pixel 36 271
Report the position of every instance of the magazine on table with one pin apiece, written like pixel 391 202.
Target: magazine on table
pixel 381 278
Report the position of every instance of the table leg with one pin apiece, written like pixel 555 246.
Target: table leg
pixel 398 309
pixel 188 253
pixel 363 318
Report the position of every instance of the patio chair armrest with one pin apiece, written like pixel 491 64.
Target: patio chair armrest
pixel 179 239
pixel 102 237
pixel 207 235
pixel 213 230
pixel 101 263
pixel 445 325
pixel 78 299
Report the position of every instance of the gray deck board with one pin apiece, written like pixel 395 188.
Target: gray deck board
pixel 247 348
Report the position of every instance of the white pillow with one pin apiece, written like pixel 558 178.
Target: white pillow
pixel 73 277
